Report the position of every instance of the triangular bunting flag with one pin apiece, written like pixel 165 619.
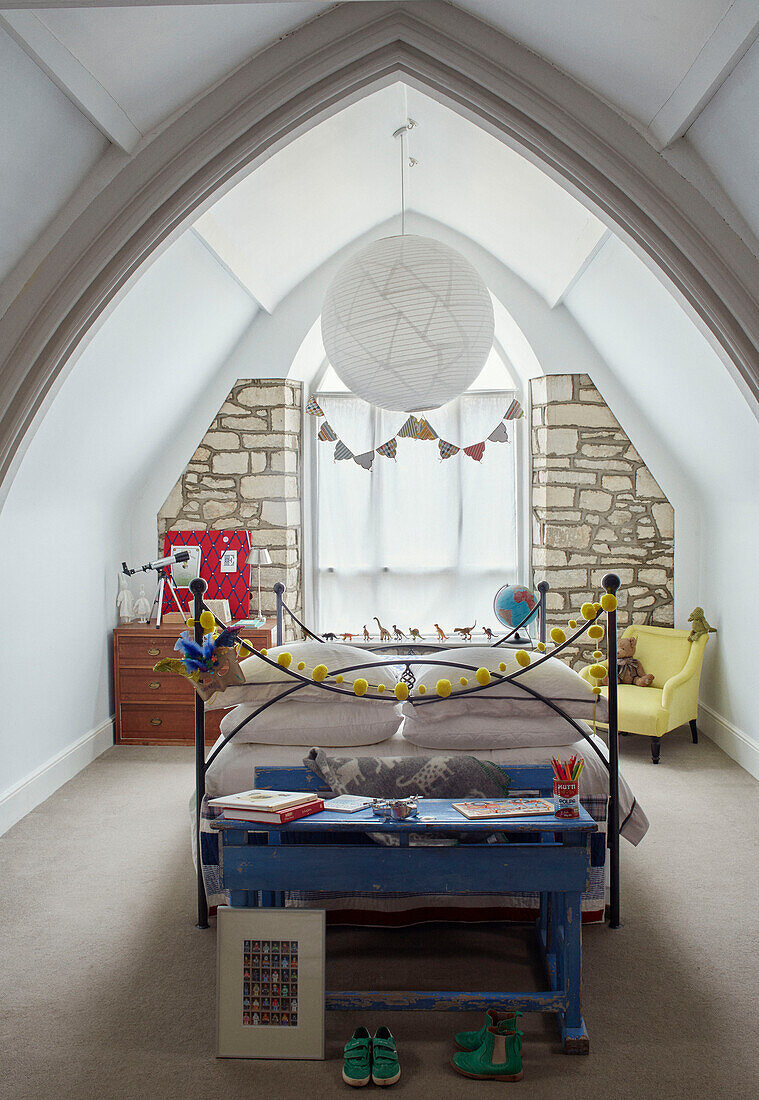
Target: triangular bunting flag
pixel 365 460
pixel 389 449
pixel 410 429
pixel 499 434
pixel 446 449
pixel 476 451
pixel 424 430
pixel 326 434
pixel 342 452
pixel 313 407
pixel 514 411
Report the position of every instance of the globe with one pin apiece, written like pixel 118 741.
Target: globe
pixel 515 605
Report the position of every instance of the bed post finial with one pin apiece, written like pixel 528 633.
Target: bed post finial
pixel 543 587
pixel 279 591
pixel 197 588
pixel 611 582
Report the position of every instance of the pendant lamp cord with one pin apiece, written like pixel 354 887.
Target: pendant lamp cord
pixel 401 133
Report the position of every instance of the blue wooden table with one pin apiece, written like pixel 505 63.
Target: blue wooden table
pixel 331 851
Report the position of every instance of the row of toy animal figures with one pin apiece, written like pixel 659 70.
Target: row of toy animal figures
pixel 413 634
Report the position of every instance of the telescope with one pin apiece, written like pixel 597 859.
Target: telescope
pixel 160 563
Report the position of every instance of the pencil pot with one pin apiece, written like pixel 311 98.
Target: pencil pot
pixel 566 798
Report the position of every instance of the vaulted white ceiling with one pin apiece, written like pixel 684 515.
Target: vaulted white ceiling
pixel 333 184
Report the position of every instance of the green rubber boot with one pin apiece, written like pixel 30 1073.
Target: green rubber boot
pixel 498 1059
pixel 357 1066
pixel 473 1040
pixel 385 1067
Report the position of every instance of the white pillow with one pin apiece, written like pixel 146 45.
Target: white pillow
pixel 263 682
pixel 500 715
pixel 345 722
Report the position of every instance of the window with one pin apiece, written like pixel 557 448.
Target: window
pixel 419 540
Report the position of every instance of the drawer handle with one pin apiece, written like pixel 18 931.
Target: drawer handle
pixel 156 721
pixel 153 651
pixel 154 685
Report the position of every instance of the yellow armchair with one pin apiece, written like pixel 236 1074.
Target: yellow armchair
pixel 672 699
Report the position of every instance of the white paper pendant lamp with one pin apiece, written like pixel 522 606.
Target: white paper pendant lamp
pixel 407 323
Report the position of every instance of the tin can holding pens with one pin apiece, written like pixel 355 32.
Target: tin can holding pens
pixel 566 797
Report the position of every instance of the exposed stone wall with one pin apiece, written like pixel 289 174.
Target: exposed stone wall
pixel 596 508
pixel 246 472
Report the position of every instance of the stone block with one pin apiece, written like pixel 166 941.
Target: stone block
pixel 557 441
pixel 542 557
pixel 248 423
pixel 626 576
pixel 255 396
pixel 653 576
pixel 285 461
pixel 261 486
pixel 555 601
pixel 285 420
pixel 664 518
pixel 591 395
pixel 578 415
pixel 617 483
pixel 230 462
pixel 538 391
pixel 212 482
pixel 221 441
pixel 570 477
pixel 597 499
pixel 601 450
pixel 272 441
pixel 645 485
pixel 559 387
pixel 202 454
pixel 281 513
pixel 267 536
pixel 574 537
pixel 215 509
pixel 257 461
pixel 569 578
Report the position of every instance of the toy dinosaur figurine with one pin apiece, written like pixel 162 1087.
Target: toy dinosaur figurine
pixel 488 633
pixel 347 637
pixel 415 635
pixel 465 631
pixel 398 633
pixel 329 637
pixel 441 634
pixel 366 633
pixel 700 625
pixel 384 633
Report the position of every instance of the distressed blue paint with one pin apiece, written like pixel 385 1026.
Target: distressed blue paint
pixel 331 851
pixel 525 777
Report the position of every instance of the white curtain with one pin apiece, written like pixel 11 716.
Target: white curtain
pixel 415 541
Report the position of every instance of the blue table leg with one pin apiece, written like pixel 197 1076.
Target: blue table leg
pixel 573 1033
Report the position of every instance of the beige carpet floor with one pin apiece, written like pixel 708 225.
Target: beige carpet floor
pixel 107 988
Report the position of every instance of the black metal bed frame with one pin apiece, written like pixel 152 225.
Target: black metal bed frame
pixel 610 582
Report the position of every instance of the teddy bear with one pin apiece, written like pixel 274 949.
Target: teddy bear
pixel 629 668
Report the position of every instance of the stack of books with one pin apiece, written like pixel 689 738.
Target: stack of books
pixel 267 807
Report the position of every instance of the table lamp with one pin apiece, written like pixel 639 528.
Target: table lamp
pixel 259 556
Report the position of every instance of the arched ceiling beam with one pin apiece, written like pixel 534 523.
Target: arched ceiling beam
pixel 310 74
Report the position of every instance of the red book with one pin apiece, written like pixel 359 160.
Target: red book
pixel 274 818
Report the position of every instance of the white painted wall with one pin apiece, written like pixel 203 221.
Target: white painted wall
pixel 726 136
pixel 47 148
pixel 73 512
pixel 674 398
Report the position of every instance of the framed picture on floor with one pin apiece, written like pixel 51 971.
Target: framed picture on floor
pixel 270 983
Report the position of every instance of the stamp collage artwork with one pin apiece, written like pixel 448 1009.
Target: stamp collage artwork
pixel 270 983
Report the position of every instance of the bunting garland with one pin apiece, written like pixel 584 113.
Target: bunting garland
pixel 413 428
pixel 326 434
pixel 389 449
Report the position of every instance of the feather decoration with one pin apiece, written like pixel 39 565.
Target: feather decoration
pixel 228 637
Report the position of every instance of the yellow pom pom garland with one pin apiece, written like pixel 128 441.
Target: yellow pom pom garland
pixel 360 686
pixel 597 653
pixel 609 602
pixel 285 659
pixel 522 657
pixel 338 679
pixel 301 665
pixel 422 689
pixel 597 672
pixel 443 688
pixel 558 635
pixel 596 690
pixel 264 652
pixel 207 621
pixel 541 647
pixel 463 681
pixel 595 631
pixel 381 689
pixel 572 624
pixel 502 666
pixel 482 676
pixel 596 607
pixel 401 691
pixel 588 611
pixel 320 673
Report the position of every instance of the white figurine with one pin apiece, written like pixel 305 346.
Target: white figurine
pixel 125 600
pixel 142 606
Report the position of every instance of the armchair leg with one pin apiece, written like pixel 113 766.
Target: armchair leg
pixel 694 731
pixel 655 749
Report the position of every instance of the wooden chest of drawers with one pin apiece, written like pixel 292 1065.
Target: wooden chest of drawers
pixel 153 709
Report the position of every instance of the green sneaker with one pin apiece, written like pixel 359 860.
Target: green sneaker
pixel 357 1066
pixel 473 1040
pixel 498 1059
pixel 385 1067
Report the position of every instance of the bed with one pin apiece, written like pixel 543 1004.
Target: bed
pixel 442 693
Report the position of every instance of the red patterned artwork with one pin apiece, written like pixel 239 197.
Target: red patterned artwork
pixel 223 566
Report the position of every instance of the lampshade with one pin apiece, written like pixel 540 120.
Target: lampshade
pixel 259 556
pixel 407 323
